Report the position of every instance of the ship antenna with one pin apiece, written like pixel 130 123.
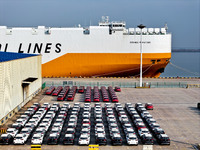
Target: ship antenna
pixel 166 27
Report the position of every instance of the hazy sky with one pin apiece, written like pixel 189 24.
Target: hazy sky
pixel 182 16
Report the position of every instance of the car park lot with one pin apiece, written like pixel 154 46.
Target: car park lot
pixel 174 110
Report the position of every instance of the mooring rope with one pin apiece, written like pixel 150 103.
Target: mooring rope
pixel 183 69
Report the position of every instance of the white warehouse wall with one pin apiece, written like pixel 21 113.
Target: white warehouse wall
pixel 12 74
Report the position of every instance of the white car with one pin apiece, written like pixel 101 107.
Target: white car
pixel 41 114
pixel 20 139
pixel 84 139
pixel 113 125
pixel 26 131
pixel 37 138
pixel 55 131
pixel 36 117
pixel 144 113
pixel 143 131
pixel 123 117
pixel 57 125
pixel 12 131
pixel 73 117
pixel 29 125
pixel 85 131
pixel 129 130
pixel 47 121
pixel 131 139
pixel 110 117
pixel 41 131
pixel 21 121
pixel 24 117
pixel 51 113
pixel 86 113
pixel 138 121
pixel 99 131
pixel 49 117
pixel 33 121
pixel 99 125
pixel 73 121
pixel 114 131
pixel 86 126
pixel 43 125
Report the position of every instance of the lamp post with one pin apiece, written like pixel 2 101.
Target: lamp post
pixel 141 26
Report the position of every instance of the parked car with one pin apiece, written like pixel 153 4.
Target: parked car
pixel 84 139
pixel 12 131
pixel 147 139
pixel 6 139
pixel 116 139
pixel 149 106
pixel 101 139
pixel 163 139
pixel 158 131
pixel 131 139
pixel 53 139
pixel 20 139
pixel 68 139
pixel 117 89
pixel 37 138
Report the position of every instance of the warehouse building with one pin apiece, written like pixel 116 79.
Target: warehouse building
pixel 20 81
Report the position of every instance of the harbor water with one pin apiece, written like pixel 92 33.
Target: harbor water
pixel 183 64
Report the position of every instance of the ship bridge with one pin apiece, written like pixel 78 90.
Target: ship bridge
pixel 114 25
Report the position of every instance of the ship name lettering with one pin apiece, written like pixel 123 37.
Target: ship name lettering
pixel 137 42
pixel 37 48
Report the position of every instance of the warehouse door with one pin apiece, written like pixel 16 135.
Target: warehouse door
pixel 25 87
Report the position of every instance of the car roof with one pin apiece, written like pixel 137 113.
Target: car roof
pixel 84 135
pixel 24 129
pixel 19 135
pixel 37 135
pixel 131 135
pixel 100 135
pixel 163 135
pixel 70 129
pixel 4 135
pixel 116 135
pixel 147 135
pixel 53 135
pixel 68 135
pixel 11 129
pixel 144 129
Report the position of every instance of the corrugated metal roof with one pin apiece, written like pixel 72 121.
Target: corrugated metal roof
pixel 7 56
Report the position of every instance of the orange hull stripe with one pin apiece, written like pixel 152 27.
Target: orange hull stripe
pixel 96 64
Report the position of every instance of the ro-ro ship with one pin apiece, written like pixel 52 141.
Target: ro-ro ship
pixel 109 49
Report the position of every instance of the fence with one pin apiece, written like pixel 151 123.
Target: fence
pixel 121 84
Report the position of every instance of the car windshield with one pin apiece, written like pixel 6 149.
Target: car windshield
pixel 26 131
pixel 83 138
pixel 39 131
pixel 19 137
pixel 36 137
pixel 132 138
pixel 10 131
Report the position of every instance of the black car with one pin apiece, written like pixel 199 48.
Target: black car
pixel 101 139
pixel 68 139
pixel 158 131
pixel 53 139
pixel 6 139
pixel 163 139
pixel 116 139
pixel 147 139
